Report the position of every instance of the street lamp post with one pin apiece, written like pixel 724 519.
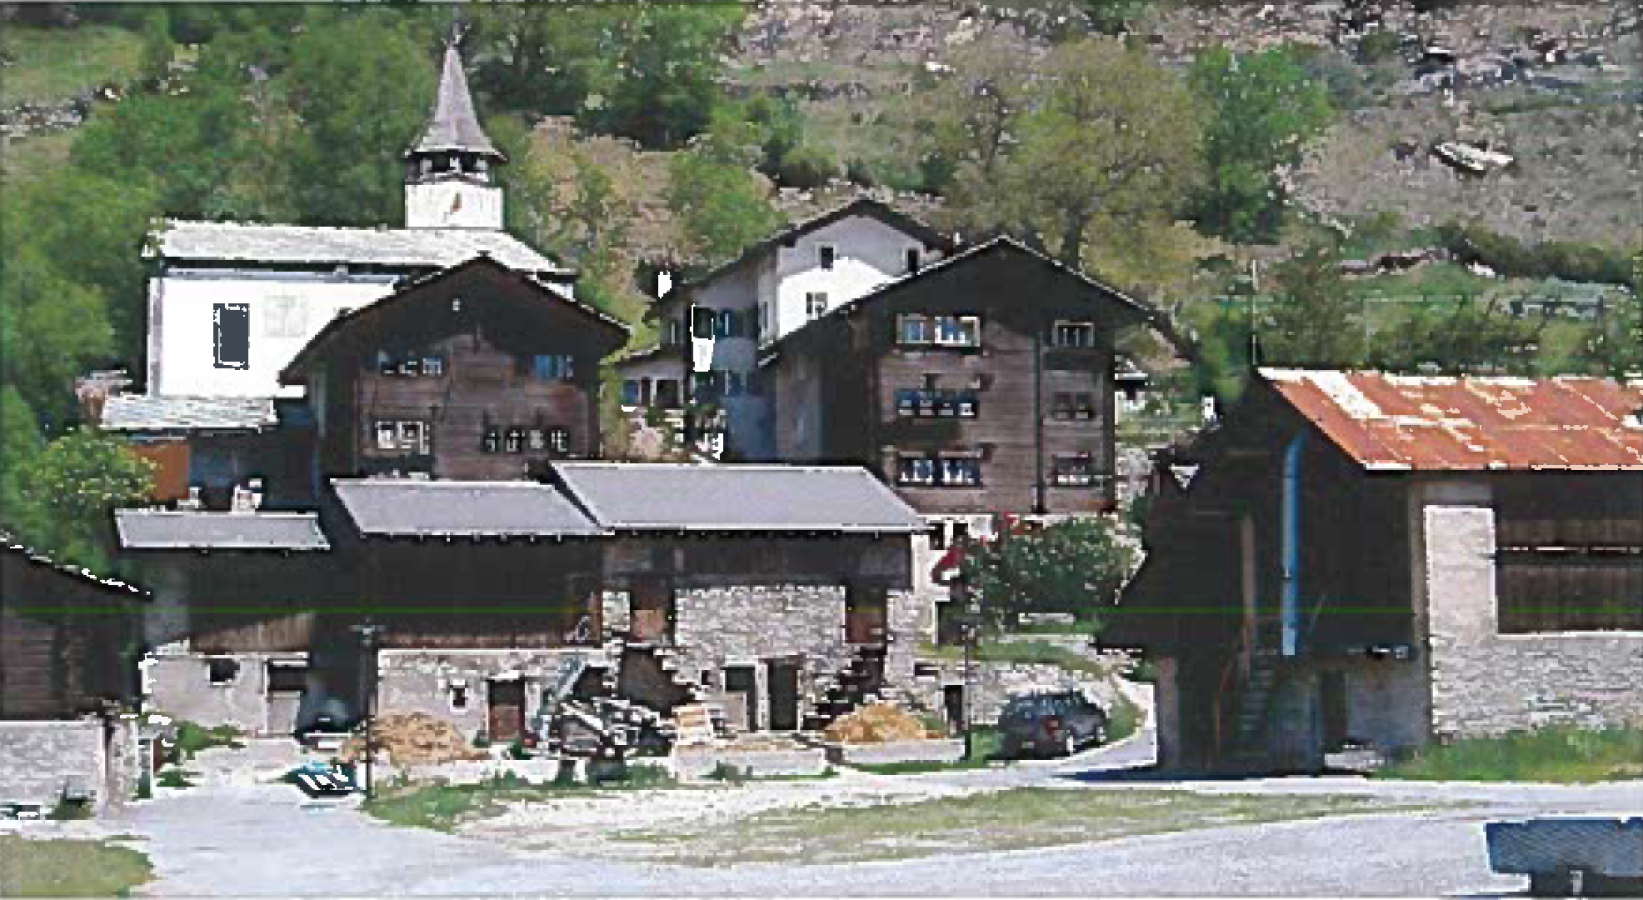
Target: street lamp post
pixel 367 635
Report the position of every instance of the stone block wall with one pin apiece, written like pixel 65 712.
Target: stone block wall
pixel 422 680
pixel 745 626
pixel 1484 682
pixel 993 684
pixel 39 760
pixel 177 683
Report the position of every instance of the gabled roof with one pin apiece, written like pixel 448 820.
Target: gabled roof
pixel 767 498
pixel 152 412
pixel 536 289
pixel 1407 422
pixel 395 507
pixel 150 529
pixel 13 553
pixel 453 124
pixel 302 246
pixel 996 249
pixel 861 206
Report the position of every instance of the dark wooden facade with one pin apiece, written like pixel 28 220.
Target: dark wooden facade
pixel 67 641
pixel 478 373
pixel 1018 420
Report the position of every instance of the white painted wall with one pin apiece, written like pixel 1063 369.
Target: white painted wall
pixel 286 312
pixel 867 254
pixel 453 204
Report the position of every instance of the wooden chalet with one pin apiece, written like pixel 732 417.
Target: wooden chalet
pixel 478 372
pixel 982 383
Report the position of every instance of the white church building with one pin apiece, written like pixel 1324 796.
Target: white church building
pixel 231 303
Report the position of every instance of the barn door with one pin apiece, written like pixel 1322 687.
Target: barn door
pixel 507 710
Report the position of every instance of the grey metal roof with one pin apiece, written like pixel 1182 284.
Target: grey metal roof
pixel 303 245
pixel 672 496
pixel 405 507
pixel 146 529
pixel 152 412
pixel 453 125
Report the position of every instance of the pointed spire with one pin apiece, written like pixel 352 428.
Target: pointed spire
pixel 454 127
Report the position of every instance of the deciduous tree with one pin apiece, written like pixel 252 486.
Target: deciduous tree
pixel 1075 566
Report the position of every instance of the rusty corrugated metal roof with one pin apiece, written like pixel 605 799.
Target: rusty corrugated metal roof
pixel 1456 423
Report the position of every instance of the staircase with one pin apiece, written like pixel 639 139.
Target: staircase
pixel 619 646
pixel 1252 690
pixel 860 681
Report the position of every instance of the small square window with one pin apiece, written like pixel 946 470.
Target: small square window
pixel 222 670
pixel 387 436
pixel 492 441
pixel 913 260
pixel 536 439
pixel 433 366
pixel 913 329
pixel 515 441
pixel 815 304
pixel 559 440
pixel 631 392
pixel 1073 334
pixel 827 255
pixel 459 697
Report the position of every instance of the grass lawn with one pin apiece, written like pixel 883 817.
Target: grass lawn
pixel 1016 819
pixel 442 807
pixel 65 868
pixel 54 64
pixel 1561 755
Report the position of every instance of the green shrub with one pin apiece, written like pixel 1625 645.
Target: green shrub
pixel 806 167
pixel 192 738
pixel 174 778
pixel 68 810
pixel 1377 47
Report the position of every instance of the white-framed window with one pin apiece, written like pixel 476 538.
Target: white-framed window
pixel 457 693
pixel 826 256
pixel 221 671
pixel 916 470
pixel 960 471
pixel 815 304
pixel 1069 333
pixel 559 440
pixel 403 435
pixel 1074 471
pixel 958 331
pixel 913 329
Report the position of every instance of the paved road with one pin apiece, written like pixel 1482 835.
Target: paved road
pixel 255 839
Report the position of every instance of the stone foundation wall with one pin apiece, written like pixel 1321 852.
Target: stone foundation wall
pixel 39 761
pixel 424 680
pixel 1484 682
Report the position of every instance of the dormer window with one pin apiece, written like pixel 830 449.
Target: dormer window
pixel 826 255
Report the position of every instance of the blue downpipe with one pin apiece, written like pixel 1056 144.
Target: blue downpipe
pixel 1289 608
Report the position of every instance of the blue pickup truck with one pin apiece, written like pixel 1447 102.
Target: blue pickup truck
pixel 1570 856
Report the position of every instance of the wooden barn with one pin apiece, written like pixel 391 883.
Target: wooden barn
pixel 1359 563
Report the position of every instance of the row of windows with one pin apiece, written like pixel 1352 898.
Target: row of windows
pixel 525 440
pixel 948 402
pixel 1073 405
pixel 410 364
pixel 917 329
pixel 416 437
pixel 827 256
pixel 938 470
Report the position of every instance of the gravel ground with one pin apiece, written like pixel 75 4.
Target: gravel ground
pixel 234 835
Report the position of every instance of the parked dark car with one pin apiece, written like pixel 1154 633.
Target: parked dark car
pixel 1049 724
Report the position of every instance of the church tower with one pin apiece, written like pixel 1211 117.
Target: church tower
pixel 448 173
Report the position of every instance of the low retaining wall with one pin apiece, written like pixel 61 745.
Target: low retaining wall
pixel 41 762
pixel 936 751
pixel 697 764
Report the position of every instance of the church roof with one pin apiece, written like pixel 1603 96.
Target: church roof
pixel 453 125
pixel 307 246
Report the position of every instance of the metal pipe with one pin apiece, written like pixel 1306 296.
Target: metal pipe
pixel 1290 600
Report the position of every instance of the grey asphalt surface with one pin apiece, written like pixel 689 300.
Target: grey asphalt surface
pixel 265 840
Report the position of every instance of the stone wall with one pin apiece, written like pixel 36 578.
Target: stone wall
pixel 746 626
pixel 177 683
pixel 425 680
pixel 39 761
pixel 993 684
pixel 1484 682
